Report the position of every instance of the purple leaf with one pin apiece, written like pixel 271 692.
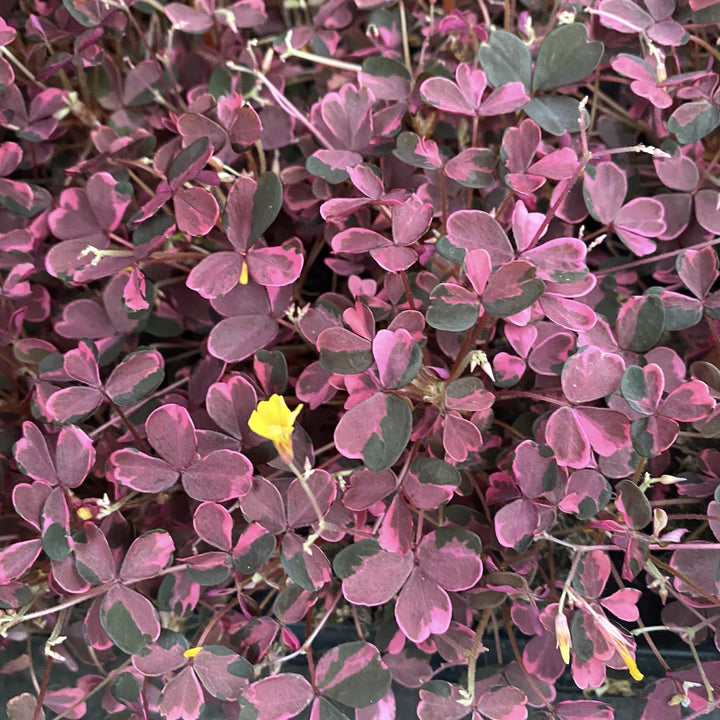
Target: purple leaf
pixel 93 558
pixel 278 697
pixel 623 604
pixel 567 313
pixel 223 673
pixel 515 524
pixel 264 504
pixel 640 323
pixel 624 16
pixel 535 472
pixel 171 432
pixel 182 697
pixel 222 475
pixel 300 510
pixel 230 404
pixel 423 608
pixel 605 187
pixel 584 710
pixel 276 266
pixel 147 556
pixel 371 575
pixel 511 289
pixel 353 674
pixel 213 523
pixel 586 492
pixel 196 210
pixel 307 567
pixel 698 270
pixel 129 619
pixel 376 430
pixel 15 559
pixel 591 374
pixel 396 531
pixel 216 274
pixel 508 98
pixel 344 352
pixel 397 356
pixel 474 229
pixel 141 472
pixel 451 557
pixel 28 500
pixel 162 657
pixel 505 703
pixel 81 364
pixel 137 375
pixel 73 404
pixel 236 338
pixel 446 95
pixel 187 19
pixel 689 402
pixel 707 210
pixel 367 487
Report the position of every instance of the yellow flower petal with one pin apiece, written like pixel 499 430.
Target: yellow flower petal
pixel 272 419
pixel 562 635
pixel 192 652
pixel 244 274
pixel 84 513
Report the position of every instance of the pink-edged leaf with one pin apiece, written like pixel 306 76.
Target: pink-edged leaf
pixel 468 394
pixel 604 188
pixel 300 510
pixel 394 259
pixel 508 98
pixel 253 549
pixel 642 216
pixel 163 656
pixel 623 604
pixel 371 575
pixel 264 504
pixel 93 557
pixel 376 430
pixel 187 19
pixel 423 608
pixel 678 172
pixel 129 619
pixel 451 557
pixel 478 266
pixel 535 470
pixel 560 260
pixel 238 209
pixel 593 573
pixel 383 709
pixel 519 145
pixel 446 95
pixel 367 487
pixel 353 674
pixel 460 436
pixel 230 403
pixel 15 559
pixel 221 475
pixel 689 402
pixel 33 456
pixel 586 492
pixel 472 83
pixel 309 568
pixel 472 167
pixel 216 274
pixel 171 432
pixel 698 270
pixel 591 374
pixel 512 288
pixel 276 266
pixel 141 472
pixel 236 338
pixel 28 500
pixel 507 369
pixel 606 430
pixel 633 504
pixel 652 435
pixel 196 210
pixel 213 523
pixel 73 404
pixel 410 220
pixel 640 323
pixel 137 375
pixel 567 313
pixel 452 308
pixel 557 165
pixel 585 710
pixel 396 531
pixel 25 705
pixel 223 673
pixel 568 440
pixel 505 703
pixel 475 229
pixel 624 16
pixel 147 556
pixel 343 351
pixel 515 524
pixel 358 240
pixel 707 210
pixel 397 356
pixel 182 697
pixel 81 364
pixel 278 697
pixel 643 388
pixel 440 700
pixel 210 568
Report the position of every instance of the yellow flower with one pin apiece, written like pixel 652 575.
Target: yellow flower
pixel 562 634
pixel 84 513
pixel 192 652
pixel 629 660
pixel 272 419
pixel 615 637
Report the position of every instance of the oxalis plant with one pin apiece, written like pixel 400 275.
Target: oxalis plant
pixel 382 315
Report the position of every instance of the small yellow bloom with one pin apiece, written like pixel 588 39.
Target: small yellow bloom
pixel 272 419
pixel 244 274
pixel 192 652
pixel 562 634
pixel 629 660
pixel 84 513
pixel 615 637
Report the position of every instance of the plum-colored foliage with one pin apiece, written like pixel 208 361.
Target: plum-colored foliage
pixel 360 312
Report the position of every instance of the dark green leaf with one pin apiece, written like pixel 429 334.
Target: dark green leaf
pixel 267 202
pixel 506 58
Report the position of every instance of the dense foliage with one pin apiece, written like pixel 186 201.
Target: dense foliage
pixel 357 312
